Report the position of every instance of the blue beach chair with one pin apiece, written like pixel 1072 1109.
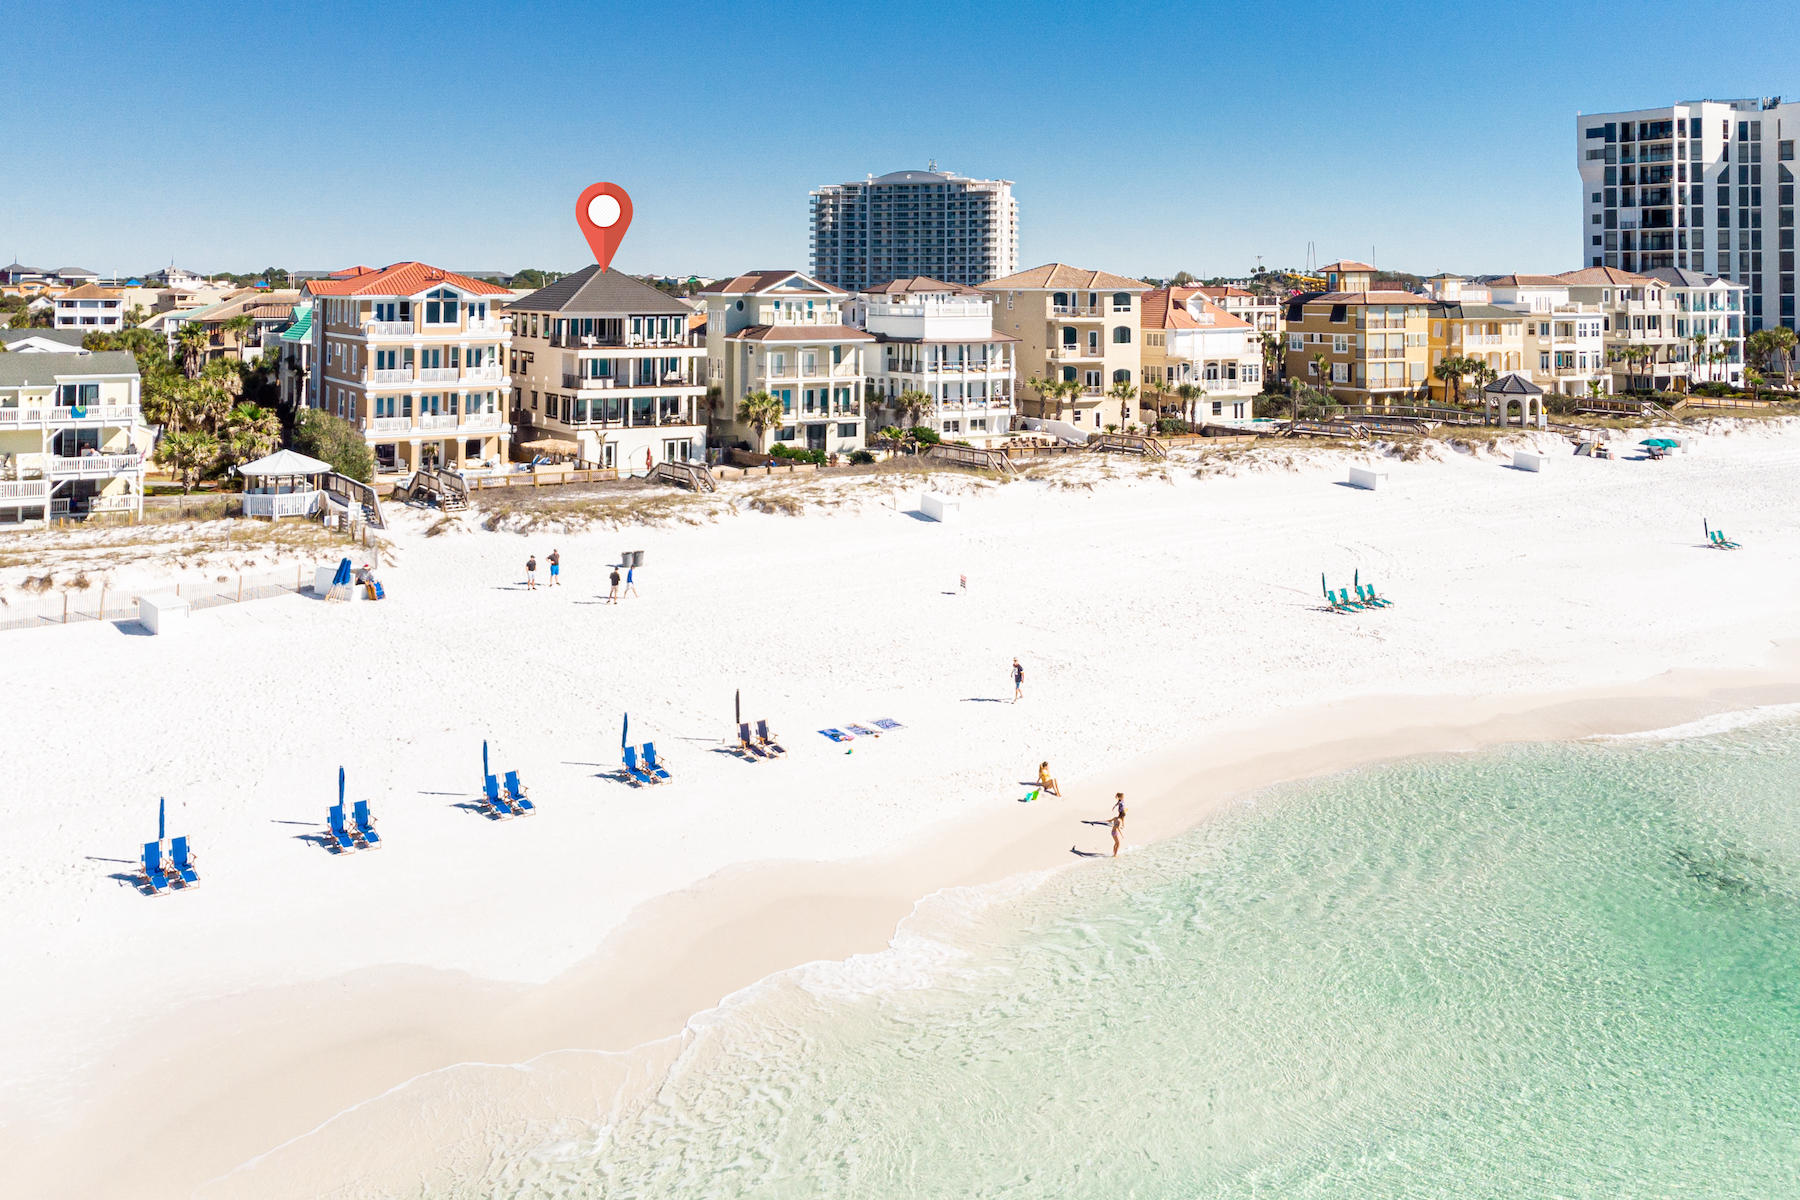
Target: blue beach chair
pixel 340 834
pixel 637 773
pixel 515 791
pixel 153 868
pixel 651 764
pixel 365 824
pixel 766 740
pixel 1368 597
pixel 183 862
pixel 748 745
pixel 496 802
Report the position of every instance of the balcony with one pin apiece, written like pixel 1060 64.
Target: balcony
pixel 26 490
pixel 390 329
pixel 1074 353
pixel 93 414
pixel 484 325
pixel 95 465
pixel 490 373
pixel 390 424
pixel 1075 310
pixel 438 374
pixel 436 423
pixel 439 421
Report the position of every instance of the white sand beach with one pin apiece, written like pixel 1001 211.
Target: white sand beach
pixel 1169 620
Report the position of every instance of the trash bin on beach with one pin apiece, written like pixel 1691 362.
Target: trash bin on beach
pixel 631 558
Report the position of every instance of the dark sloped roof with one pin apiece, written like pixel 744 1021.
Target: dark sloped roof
pixel 68 337
pixel 1461 310
pixel 16 369
pixel 1514 384
pixel 591 290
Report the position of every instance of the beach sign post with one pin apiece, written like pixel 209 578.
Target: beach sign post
pixel 604 213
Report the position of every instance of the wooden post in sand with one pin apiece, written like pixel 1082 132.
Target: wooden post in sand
pixel 65 608
pixel 240 598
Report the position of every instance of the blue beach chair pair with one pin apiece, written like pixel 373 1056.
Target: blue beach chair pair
pixel 1366 598
pixel 510 802
pixel 160 876
pixel 357 833
pixel 650 770
pixel 762 745
pixel 1717 540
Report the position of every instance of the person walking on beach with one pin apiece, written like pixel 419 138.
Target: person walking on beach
pixel 555 567
pixel 630 587
pixel 612 597
pixel 1046 781
pixel 531 573
pixel 1018 681
pixel 1119 805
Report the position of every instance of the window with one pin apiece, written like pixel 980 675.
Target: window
pixel 1121 301
pixel 1295 341
pixel 1121 335
pixel 846 429
pixel 1218 408
pixel 1121 376
pixel 440 307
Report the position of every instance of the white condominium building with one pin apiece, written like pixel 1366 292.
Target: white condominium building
pixel 784 333
pixel 907 223
pixel 91 309
pixel 1705 185
pixel 69 433
pixel 938 338
pixel 1564 340
pixel 415 357
pixel 607 362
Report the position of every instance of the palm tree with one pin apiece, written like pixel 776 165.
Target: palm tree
pixel 1124 393
pixel 761 412
pixel 1451 369
pixel 901 439
pixel 192 340
pixel 1753 379
pixel 1191 394
pixel 1700 355
pixel 235 329
pixel 1322 368
pixel 913 404
pixel 1783 341
pixel 188 454
pixel 251 432
pixel 1271 352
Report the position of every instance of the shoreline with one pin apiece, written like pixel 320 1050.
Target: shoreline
pixel 267 1074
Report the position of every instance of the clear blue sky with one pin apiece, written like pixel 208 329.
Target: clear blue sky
pixel 1141 139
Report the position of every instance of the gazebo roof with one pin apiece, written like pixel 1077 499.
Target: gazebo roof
pixel 1513 384
pixel 285 462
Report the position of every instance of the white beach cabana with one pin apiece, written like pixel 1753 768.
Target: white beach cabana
pixel 1498 397
pixel 283 484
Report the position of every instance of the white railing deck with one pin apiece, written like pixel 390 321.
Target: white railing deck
pixel 391 375
pixel 25 489
pixel 96 464
pixel 437 374
pixel 281 504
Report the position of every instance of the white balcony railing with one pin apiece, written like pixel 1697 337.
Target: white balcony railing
pixel 391 375
pixel 390 328
pixel 488 325
pixel 484 374
pixel 437 374
pixel 25 489
pixel 93 414
pixel 438 421
pixel 1075 310
pixel 482 422
pixel 390 424
pixel 281 504
pixel 95 464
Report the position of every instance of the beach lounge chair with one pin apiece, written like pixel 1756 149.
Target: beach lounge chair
pixel 766 740
pixel 638 774
pixel 650 762
pixel 515 791
pixel 747 744
pixel 341 837
pixel 1366 593
pixel 183 862
pixel 153 868
pixel 365 824
pixel 1342 601
pixel 495 801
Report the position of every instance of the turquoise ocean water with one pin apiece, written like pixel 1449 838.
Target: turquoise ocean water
pixel 1554 971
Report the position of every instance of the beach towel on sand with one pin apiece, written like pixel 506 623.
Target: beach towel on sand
pixel 888 723
pixel 862 731
pixel 837 735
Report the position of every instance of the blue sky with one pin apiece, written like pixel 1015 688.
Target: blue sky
pixel 1140 138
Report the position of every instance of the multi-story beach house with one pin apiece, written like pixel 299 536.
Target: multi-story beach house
pixel 70 431
pixel 1484 333
pixel 1564 340
pixel 1642 349
pixel 906 223
pixel 937 339
pixel 415 358
pixel 1188 339
pixel 1709 316
pixel 1261 312
pixel 785 333
pixel 607 362
pixel 91 309
pixel 265 313
pixel 1078 326
pixel 1361 343
pixel 1705 185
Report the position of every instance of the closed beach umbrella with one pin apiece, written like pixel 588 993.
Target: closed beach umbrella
pixel 737 707
pixel 484 767
pixel 340 787
pixel 162 827
pixel 625 732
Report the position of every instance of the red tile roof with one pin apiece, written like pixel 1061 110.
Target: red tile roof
pixel 921 283
pixel 1062 275
pixel 1592 275
pixel 1348 264
pixel 1166 308
pixel 399 279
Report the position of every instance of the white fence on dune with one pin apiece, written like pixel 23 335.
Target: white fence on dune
pixel 69 605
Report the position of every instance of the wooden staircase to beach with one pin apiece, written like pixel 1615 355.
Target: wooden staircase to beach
pixel 1129 443
pixel 430 485
pixel 692 476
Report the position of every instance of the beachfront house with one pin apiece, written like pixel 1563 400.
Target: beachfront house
pixel 1191 341
pixel 1564 339
pixel 1361 342
pixel 937 339
pixel 784 333
pixel 607 364
pixel 414 357
pixel 70 436
pixel 91 309
pixel 1075 326
pixel 1643 351
pixel 1468 329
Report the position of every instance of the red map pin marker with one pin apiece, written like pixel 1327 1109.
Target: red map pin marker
pixel 604 214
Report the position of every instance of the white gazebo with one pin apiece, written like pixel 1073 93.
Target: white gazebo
pixel 284 484
pixel 1498 397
